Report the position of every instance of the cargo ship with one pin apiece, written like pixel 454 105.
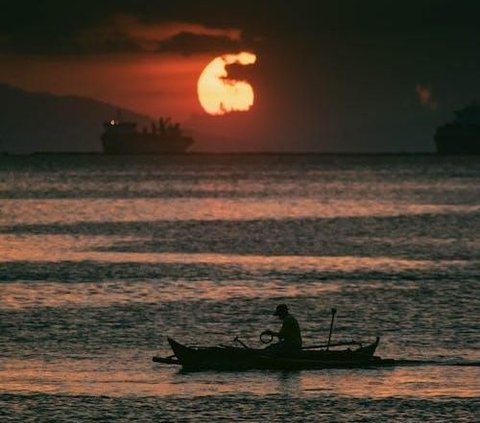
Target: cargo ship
pixel 163 137
pixel 462 135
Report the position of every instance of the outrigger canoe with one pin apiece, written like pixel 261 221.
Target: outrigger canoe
pixel 224 357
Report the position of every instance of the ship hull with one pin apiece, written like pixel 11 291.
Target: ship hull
pixel 457 139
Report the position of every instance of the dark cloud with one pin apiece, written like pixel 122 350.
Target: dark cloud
pixel 187 43
pixel 54 26
pixel 62 27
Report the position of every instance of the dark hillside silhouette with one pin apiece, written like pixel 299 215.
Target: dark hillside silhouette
pixel 41 122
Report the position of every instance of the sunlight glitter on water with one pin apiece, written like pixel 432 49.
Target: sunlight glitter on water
pixel 130 210
pixel 103 258
pixel 25 295
pixel 109 377
pixel 53 248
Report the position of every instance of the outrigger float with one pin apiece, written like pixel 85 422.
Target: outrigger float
pixel 226 357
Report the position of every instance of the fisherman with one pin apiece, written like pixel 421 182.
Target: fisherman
pixel 290 337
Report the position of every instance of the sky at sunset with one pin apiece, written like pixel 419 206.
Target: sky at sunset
pixel 342 75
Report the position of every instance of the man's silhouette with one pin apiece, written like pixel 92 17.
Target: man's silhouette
pixel 290 337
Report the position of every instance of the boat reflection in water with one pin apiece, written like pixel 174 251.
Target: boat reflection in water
pixel 123 137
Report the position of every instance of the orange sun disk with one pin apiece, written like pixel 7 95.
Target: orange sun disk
pixel 218 94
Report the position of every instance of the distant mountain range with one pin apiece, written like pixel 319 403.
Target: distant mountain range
pixel 38 122
pixel 42 122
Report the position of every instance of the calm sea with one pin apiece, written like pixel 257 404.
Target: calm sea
pixel 102 258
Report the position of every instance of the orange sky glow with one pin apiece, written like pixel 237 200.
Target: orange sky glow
pixel 151 84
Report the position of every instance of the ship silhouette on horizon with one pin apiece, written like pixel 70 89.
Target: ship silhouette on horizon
pixel 163 137
pixel 462 135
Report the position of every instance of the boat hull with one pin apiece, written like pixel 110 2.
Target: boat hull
pixel 456 139
pixel 233 358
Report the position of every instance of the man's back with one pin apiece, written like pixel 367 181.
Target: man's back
pixel 290 331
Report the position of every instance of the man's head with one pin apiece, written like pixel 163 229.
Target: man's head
pixel 281 311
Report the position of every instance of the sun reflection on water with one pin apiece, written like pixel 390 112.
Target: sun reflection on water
pixel 110 377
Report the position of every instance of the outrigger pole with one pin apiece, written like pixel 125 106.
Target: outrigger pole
pixel 334 310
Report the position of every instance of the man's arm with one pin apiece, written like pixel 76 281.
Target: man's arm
pixel 272 333
pixel 279 335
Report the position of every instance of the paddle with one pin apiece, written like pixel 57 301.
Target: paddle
pixel 334 310
pixel 237 339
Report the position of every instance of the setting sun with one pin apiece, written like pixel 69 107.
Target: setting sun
pixel 217 93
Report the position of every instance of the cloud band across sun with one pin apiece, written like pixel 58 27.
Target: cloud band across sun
pixel 165 37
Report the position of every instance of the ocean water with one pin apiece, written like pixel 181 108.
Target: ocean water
pixel 102 258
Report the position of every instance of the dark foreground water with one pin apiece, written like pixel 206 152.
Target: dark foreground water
pixel 102 258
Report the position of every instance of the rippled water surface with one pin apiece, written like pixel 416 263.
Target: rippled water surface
pixel 102 258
